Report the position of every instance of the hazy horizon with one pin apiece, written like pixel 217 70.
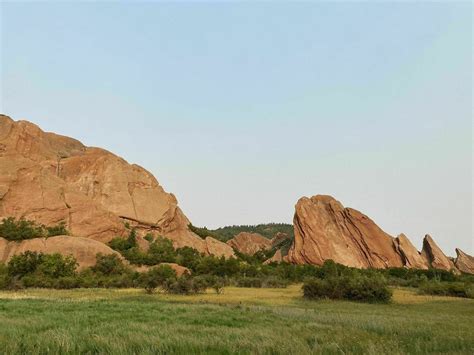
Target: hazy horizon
pixel 240 109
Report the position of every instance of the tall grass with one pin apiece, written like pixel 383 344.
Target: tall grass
pixel 257 321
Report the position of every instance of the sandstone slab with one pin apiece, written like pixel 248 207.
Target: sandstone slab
pixel 325 229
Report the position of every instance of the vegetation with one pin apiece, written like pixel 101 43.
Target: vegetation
pixel 455 289
pixel 268 230
pixel 361 289
pixel 16 230
pixel 239 320
pixel 160 276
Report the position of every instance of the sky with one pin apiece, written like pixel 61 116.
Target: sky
pixel 242 108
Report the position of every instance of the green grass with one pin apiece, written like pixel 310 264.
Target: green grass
pixel 261 321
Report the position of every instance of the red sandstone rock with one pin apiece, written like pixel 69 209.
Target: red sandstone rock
pixel 250 243
pixel 325 230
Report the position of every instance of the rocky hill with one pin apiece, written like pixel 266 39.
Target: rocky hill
pixel 50 178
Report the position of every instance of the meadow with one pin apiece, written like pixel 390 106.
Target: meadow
pixel 240 320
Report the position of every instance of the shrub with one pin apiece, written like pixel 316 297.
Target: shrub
pixel 454 289
pixel 124 244
pixel 59 229
pixel 5 278
pixel 161 251
pixel 149 237
pixel 109 265
pixel 186 286
pixel 361 289
pixel 25 263
pixel 12 229
pixel 157 277
pixel 57 265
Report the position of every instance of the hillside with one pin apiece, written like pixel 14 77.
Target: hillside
pixel 224 234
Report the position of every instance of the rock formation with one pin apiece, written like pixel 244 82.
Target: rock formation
pixel 216 247
pixel 435 257
pixel 180 270
pixel 464 262
pixel 50 178
pixel 279 239
pixel 249 243
pixel 276 258
pixel 324 230
pixel 411 258
pixel 84 250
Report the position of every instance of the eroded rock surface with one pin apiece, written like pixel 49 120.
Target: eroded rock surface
pixel 464 262
pixel 218 248
pixel 50 178
pixel 325 229
pixel 250 243
pixel 411 258
pixel 84 250
pixel 434 256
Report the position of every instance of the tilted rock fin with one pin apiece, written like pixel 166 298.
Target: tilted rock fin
pixel 326 230
pixel 464 262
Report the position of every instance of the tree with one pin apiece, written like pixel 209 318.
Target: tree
pixel 109 265
pixel 25 263
pixel 156 277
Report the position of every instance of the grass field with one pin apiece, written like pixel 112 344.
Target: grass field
pixel 261 321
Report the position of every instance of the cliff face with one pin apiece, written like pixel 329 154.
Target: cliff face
pixel 51 178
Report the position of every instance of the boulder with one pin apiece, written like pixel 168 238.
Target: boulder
pixel 464 262
pixel 84 250
pixel 411 258
pixel 434 256
pixel 326 230
pixel 250 243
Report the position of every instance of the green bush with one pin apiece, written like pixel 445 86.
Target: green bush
pixel 5 277
pixel 361 289
pixel 11 229
pixel 157 277
pixel 149 237
pixel 25 263
pixel 454 289
pixel 186 286
pixel 14 230
pixel 57 265
pixel 109 265
pixel 59 229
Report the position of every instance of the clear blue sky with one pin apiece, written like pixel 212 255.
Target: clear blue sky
pixel 242 108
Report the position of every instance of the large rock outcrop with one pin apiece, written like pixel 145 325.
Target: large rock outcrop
pixel 50 178
pixel 464 262
pixel 434 256
pixel 84 250
pixel 325 230
pixel 250 243
pixel 216 247
pixel 411 258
